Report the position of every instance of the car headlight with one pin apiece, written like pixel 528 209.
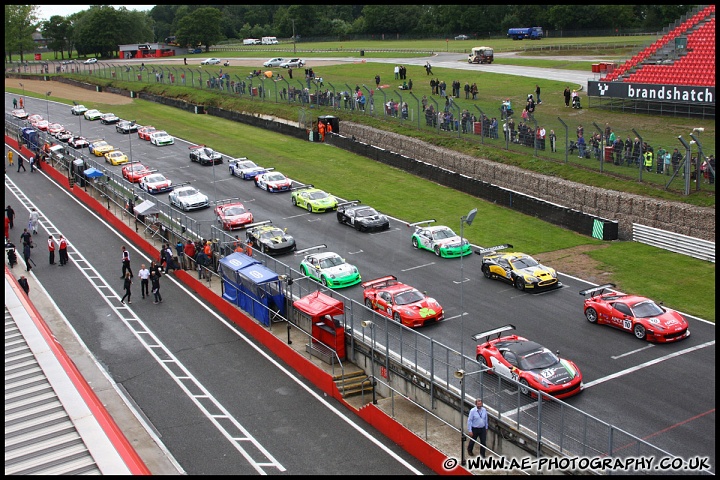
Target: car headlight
pixel 530 279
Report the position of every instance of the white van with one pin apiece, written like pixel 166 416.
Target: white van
pixel 270 41
pixel 251 41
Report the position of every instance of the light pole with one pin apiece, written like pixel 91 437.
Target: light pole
pixel 47 104
pixel 461 374
pixel 132 124
pixel 371 325
pixel 463 220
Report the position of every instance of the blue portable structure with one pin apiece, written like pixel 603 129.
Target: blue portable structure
pixel 533 33
pixel 30 137
pixel 251 286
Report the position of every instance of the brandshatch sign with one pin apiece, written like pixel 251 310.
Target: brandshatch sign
pixel 691 94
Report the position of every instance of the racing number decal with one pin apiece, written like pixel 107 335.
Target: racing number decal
pixel 627 324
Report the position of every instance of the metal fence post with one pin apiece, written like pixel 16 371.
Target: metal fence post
pixel 567 134
pixel 602 150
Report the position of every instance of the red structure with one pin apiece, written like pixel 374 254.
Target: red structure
pixel 325 329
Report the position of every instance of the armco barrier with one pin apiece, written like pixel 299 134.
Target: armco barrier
pixel 389 427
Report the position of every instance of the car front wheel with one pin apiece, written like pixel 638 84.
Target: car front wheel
pixel 294 201
pixel 486 271
pixel 639 331
pixel 397 318
pixel 368 303
pixel 309 208
pixel 591 315
pixel 524 387
pixel 520 284
pixel 437 250
pixel 415 242
pixel 324 281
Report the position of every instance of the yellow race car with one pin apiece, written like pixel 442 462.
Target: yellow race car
pixel 100 147
pixel 116 157
pixel 518 269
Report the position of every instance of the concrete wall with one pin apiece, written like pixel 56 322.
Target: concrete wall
pixel 698 222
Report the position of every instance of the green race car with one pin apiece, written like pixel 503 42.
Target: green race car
pixel 441 240
pixel 313 199
pixel 330 269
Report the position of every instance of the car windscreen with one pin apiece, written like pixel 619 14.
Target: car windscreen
pixel 270 234
pixel 317 195
pixel 526 262
pixel 408 297
pixel 187 193
pixel 232 211
pixel 646 309
pixel 331 262
pixel 366 212
pixel 442 234
pixel 247 164
pixel 277 177
pixel 542 358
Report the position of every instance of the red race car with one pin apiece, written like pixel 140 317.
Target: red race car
pixel 144 132
pixel 527 363
pixel 134 172
pixel 632 313
pixel 232 216
pixel 402 303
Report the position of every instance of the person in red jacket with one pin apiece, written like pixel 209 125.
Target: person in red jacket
pixel 190 251
pixel 51 249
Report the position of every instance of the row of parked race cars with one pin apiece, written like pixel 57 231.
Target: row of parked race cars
pixel 532 365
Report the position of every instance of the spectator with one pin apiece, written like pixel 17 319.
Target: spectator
pixel 22 281
pixel 667 160
pixel 581 146
pixel 553 141
pixel 675 160
pixel 566 95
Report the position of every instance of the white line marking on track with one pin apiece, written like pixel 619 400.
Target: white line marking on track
pixel 419 266
pixel 615 357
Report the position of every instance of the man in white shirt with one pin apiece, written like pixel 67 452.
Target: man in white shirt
pixel 477 427
pixel 144 275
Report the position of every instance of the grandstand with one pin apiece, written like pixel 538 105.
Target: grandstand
pixel 675 75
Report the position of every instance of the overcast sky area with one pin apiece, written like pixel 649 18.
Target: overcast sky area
pixel 47 11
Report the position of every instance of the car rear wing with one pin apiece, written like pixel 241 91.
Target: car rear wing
pixel 483 251
pixel 424 222
pixel 225 201
pixel 310 249
pixel 349 203
pixel 302 187
pixel 495 331
pixel 258 224
pixel 599 290
pixel 236 160
pixel 194 147
pixel 380 282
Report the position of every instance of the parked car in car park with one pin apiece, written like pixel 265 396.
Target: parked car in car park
pixel 293 63
pixel 210 61
pixel 274 62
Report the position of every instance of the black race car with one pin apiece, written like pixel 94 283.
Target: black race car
pixel 270 239
pixel 126 126
pixel 205 155
pixel 362 217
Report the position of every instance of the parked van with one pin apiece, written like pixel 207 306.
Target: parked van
pixel 481 55
pixel 270 41
pixel 251 41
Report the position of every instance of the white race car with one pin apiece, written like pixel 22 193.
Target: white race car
pixel 188 198
pixel 161 138
pixel 246 169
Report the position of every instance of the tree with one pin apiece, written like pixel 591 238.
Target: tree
pixel 56 32
pixel 21 22
pixel 200 28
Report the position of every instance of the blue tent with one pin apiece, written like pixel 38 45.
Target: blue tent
pixel 251 286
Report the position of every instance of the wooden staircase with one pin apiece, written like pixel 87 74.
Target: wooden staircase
pixel 354 383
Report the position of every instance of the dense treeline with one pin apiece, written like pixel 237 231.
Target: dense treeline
pixel 100 29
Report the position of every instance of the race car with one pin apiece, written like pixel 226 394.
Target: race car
pixel 403 303
pixel 135 171
pixel 78 142
pixel 34 118
pixel 313 199
pixel 205 155
pixel 144 132
pixel 155 183
pixel 116 157
pixel 246 169
pixel 20 114
pixel 517 268
pixel 632 313
pixel 273 182
pixel 100 147
pixel 233 215
pixel 64 136
pixel 270 239
pixel 109 118
pixel 126 126
pixel 330 269
pixel 439 239
pixel 92 114
pixel 41 125
pixel 78 109
pixel 160 138
pixel 187 198
pixel 55 128
pixel 362 217
pixel 528 363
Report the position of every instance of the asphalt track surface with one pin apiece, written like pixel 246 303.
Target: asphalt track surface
pixel 640 388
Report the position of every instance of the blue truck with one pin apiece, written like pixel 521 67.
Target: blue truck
pixel 533 33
